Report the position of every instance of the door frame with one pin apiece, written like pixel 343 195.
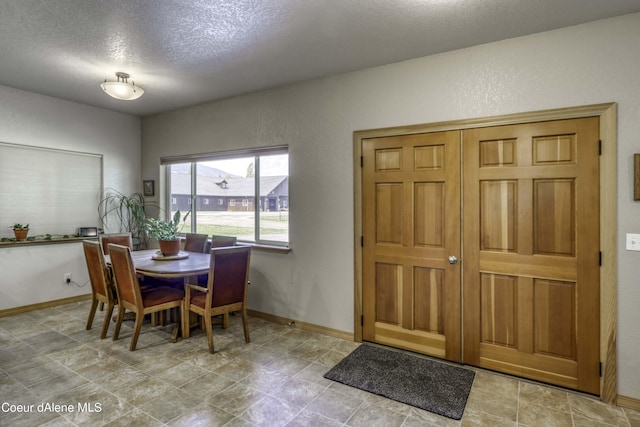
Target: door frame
pixel 607 114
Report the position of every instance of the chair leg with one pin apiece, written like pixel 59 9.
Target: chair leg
pixel 209 328
pixel 101 305
pixel 245 325
pixel 107 317
pixel 225 320
pixel 116 332
pixel 136 331
pixel 92 313
pixel 186 324
pixel 178 326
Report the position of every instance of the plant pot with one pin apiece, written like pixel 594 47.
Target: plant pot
pixel 169 247
pixel 21 234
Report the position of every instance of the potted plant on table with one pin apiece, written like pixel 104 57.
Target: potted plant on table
pixel 166 232
pixel 20 231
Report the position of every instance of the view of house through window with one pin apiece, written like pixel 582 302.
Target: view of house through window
pixel 245 196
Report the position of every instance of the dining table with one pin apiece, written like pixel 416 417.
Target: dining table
pixel 151 262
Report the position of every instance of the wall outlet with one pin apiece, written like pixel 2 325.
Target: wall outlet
pixel 67 277
pixel 633 242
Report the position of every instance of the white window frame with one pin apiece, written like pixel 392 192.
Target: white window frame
pixel 195 158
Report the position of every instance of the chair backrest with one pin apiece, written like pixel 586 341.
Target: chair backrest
pixel 223 241
pixel 98 273
pixel 124 274
pixel 118 239
pixel 228 275
pixel 195 242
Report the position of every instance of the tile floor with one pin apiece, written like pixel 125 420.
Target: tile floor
pixel 47 358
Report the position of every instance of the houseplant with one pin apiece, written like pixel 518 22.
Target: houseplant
pixel 124 213
pixel 166 232
pixel 20 231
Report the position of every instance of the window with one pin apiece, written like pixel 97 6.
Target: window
pixel 251 188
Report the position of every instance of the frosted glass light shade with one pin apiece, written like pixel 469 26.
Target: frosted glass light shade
pixel 122 89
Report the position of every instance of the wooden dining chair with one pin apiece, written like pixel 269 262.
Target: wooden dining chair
pixel 223 241
pixel 226 290
pixel 220 242
pixel 123 239
pixel 102 288
pixel 130 296
pixel 195 242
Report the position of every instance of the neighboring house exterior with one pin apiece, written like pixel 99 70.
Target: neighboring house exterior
pixel 229 194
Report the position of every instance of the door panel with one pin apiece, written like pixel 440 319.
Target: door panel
pixel 411 221
pixel 531 246
pixel 530 279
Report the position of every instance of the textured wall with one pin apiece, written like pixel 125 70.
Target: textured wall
pixel 587 64
pixel 33 274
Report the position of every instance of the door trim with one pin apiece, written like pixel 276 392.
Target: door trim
pixel 607 114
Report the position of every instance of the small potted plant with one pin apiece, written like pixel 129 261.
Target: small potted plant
pixel 20 231
pixel 166 232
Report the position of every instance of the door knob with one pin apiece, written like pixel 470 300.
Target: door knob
pixel 453 259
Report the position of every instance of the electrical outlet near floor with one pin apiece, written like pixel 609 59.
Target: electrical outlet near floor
pixel 67 277
pixel 633 242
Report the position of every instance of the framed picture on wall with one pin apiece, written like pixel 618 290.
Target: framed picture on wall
pixel 149 189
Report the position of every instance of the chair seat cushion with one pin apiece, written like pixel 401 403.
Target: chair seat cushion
pixel 161 295
pixel 198 298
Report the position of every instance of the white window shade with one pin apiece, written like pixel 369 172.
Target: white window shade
pixel 54 191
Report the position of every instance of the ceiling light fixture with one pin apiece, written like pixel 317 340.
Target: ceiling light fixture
pixel 122 89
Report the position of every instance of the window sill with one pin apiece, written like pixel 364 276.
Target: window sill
pixel 267 248
pixel 53 241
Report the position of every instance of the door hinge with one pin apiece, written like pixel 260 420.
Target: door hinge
pixel 600 369
pixel 362 241
pixel 599 147
pixel 600 258
pixel 361 161
pixel 362 322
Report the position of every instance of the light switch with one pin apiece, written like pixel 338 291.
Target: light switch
pixel 633 242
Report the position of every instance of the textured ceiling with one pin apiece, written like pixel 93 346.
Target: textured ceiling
pixel 189 52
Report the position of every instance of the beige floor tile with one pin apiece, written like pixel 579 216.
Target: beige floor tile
pixel 420 418
pixel 277 379
pixel 543 416
pixel 202 415
pixel 208 385
pixel 495 403
pixel 236 399
pixel 135 418
pixel 307 418
pixel 336 406
pixel 181 374
pixel 375 416
pixel 298 392
pixel 265 379
pixel 270 412
pixel 474 418
pixel 633 417
pixel 587 408
pixel 534 394
pixel 171 405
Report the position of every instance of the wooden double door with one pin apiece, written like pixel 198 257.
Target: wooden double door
pixel 482 246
